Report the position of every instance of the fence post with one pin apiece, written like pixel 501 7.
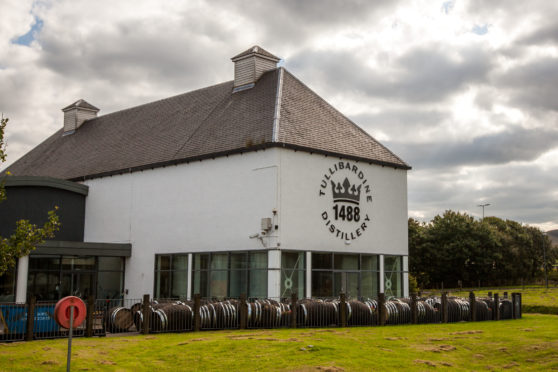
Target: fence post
pixel 197 318
pixel 489 294
pixel 520 310
pixel 444 307
pixel 472 307
pixel 414 312
pixel 89 317
pixel 496 311
pixel 32 301
pixel 381 309
pixel 343 309
pixel 242 311
pixel 145 312
pixel 294 301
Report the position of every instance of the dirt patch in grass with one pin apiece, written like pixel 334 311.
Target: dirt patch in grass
pixel 49 362
pixel 107 362
pixel 471 332
pixel 441 348
pixel 427 362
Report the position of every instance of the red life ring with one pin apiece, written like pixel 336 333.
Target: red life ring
pixel 62 311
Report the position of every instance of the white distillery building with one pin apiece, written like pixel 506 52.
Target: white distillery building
pixel 255 186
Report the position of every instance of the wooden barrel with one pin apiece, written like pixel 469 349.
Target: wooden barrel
pixel 118 319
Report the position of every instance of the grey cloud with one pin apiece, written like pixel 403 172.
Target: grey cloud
pixel 401 123
pixel 515 145
pixel 534 85
pixel 425 74
pixel 519 192
pixel 544 35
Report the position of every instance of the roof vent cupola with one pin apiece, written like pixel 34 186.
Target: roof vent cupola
pixel 250 65
pixel 76 114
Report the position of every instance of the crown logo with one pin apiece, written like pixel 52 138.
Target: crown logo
pixel 345 193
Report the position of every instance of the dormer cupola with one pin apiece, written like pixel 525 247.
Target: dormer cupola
pixel 76 114
pixel 250 65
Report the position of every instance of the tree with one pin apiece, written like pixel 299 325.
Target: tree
pixel 26 235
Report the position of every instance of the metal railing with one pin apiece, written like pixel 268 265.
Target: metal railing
pixel 116 316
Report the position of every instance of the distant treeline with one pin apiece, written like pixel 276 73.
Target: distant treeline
pixel 457 247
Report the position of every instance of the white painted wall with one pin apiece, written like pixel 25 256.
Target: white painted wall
pixel 301 206
pixel 212 205
pixel 215 205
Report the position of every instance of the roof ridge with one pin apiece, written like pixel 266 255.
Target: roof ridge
pixel 278 104
pixel 343 115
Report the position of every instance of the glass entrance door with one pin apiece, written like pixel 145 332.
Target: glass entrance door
pixel 80 284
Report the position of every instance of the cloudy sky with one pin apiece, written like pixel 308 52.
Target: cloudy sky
pixel 464 91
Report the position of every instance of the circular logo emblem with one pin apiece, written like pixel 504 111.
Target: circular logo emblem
pixel 348 194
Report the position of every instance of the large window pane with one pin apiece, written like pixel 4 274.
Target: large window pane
pixel 78 263
pixel 345 262
pixel 179 262
pixel 258 260
pixel 44 263
pixel 238 283
pixel 179 284
pixel 218 284
pixel 163 263
pixel 392 263
pixel 109 284
pixel 393 284
pixel 201 261
pixel 7 286
pixel 239 261
pixel 219 261
pixel 258 284
pixel 162 284
pixel 292 281
pixel 111 264
pixel 293 260
pixel 321 261
pixel 322 283
pixel 369 263
pixel 369 284
pixel 200 283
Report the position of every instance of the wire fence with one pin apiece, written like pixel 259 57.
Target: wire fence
pixel 146 315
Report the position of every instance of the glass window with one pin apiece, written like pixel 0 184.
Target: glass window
pixel 393 276
pixel 293 274
pixel 345 262
pixel 392 263
pixel 369 284
pixel 111 264
pixel 369 263
pixel 218 283
pixel 322 283
pixel 163 262
pixel 110 284
pixel 230 274
pixel 201 261
pixel 44 263
pixel 258 284
pixel 7 286
pixel 239 261
pixel 258 260
pixel 171 276
pixel 321 261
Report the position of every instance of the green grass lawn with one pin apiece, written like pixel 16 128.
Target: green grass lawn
pixel 530 343
pixel 536 299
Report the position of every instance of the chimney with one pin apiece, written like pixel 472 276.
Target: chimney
pixel 250 65
pixel 76 114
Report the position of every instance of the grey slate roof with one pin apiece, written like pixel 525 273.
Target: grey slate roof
pixel 204 123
